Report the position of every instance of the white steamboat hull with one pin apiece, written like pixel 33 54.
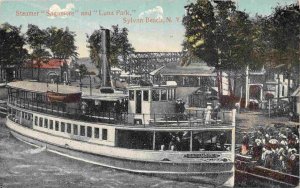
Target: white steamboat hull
pixel 214 173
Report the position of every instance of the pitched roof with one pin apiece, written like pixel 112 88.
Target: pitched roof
pixel 51 64
pixel 296 93
pixel 194 69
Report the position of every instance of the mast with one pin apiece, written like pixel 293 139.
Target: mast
pixel 104 54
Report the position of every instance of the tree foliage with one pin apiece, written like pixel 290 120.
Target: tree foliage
pixel 218 34
pixel 228 39
pixel 120 47
pixel 82 69
pixel 12 45
pixel 61 42
pixel 200 24
pixel 286 35
pixel 52 42
pixel 37 40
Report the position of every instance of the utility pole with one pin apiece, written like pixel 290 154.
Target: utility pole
pixel 247 87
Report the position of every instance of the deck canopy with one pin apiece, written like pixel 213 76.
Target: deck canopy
pixel 38 87
pixel 106 97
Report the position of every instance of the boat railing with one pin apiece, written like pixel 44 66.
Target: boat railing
pixel 63 111
pixel 193 118
pixel 3 107
pixel 189 119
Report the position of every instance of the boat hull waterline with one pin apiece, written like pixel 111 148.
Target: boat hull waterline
pixel 192 172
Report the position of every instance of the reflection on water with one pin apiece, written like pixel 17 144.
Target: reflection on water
pixel 22 165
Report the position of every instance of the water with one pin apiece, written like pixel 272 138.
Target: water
pixel 22 165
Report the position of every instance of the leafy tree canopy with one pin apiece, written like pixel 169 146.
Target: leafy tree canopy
pixel 120 47
pixel 12 44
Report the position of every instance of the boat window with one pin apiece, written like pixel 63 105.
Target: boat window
pixel 75 129
pixel 96 132
pixel 29 116
pixel 163 95
pixel 36 121
pixel 145 95
pixel 56 125
pixel 51 124
pixel 89 131
pixel 174 93
pixel 170 94
pixel 155 95
pixel 41 122
pixel 131 95
pixel 134 139
pixel 68 127
pixel 174 140
pixel 62 127
pixel 82 130
pixel 212 141
pixel 104 134
pixel 46 123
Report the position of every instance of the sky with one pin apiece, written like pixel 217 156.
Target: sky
pixel 154 25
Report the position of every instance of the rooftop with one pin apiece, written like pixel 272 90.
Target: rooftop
pixel 39 87
pixel 51 64
pixel 43 87
pixel 194 69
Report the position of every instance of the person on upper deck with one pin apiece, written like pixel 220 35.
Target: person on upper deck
pixel 216 111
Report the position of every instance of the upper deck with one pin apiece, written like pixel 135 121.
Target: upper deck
pixel 113 108
pixel 37 87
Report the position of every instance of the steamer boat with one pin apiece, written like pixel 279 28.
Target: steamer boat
pixel 139 131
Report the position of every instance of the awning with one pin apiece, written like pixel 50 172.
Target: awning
pixel 296 93
pixel 105 98
pixel 215 89
pixel 130 75
pixel 39 87
pixel 156 71
pixel 184 92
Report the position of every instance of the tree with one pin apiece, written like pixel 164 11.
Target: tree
pixel 120 46
pixel 94 45
pixel 261 31
pixel 37 40
pixel 218 34
pixel 200 24
pixel 61 43
pixel 82 69
pixel 12 42
pixel 286 39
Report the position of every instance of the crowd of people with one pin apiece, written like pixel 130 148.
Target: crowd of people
pixel 274 148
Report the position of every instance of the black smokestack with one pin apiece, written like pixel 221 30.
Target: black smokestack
pixel 105 52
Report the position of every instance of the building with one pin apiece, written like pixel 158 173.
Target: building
pixel 194 75
pixel 257 87
pixel 51 71
pixel 196 83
